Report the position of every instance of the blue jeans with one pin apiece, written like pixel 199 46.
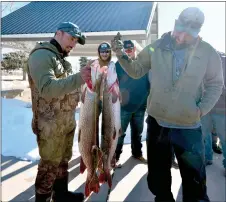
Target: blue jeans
pixel 136 120
pixel 218 122
pixel 188 146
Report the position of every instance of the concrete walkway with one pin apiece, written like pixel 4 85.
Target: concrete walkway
pixel 129 182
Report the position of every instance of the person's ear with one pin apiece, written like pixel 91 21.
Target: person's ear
pixel 58 33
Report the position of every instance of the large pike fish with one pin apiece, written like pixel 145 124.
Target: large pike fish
pixel 88 131
pixel 111 122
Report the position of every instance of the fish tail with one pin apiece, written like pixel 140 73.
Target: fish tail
pixel 92 185
pixel 102 177
pixel 106 177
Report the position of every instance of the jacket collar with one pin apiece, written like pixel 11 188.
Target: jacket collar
pixel 58 46
pixel 166 42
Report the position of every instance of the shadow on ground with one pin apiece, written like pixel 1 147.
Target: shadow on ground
pixel 28 195
pixel 122 172
pixel 141 188
pixel 7 161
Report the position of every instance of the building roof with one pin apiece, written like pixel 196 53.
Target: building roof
pixel 43 17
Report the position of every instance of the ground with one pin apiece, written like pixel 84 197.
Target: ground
pixel 129 182
pixel 20 157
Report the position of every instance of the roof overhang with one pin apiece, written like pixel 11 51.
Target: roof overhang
pixel 92 37
pixel 79 50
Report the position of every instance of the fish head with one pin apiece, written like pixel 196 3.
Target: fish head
pixel 110 77
pixel 97 74
pixel 111 74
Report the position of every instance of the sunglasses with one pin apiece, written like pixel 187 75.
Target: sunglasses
pixel 105 51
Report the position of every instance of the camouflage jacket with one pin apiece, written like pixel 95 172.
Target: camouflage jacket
pixel 54 89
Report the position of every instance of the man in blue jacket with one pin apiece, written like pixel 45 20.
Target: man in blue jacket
pixel 134 97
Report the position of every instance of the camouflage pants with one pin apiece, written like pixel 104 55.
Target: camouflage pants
pixel 55 149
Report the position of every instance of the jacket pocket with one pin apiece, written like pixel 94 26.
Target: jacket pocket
pixel 190 112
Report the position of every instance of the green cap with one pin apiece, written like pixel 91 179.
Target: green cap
pixel 73 30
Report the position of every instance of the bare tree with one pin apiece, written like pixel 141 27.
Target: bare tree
pixel 15 60
pixel 83 61
pixel 6 8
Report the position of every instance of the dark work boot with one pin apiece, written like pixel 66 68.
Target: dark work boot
pixel 61 193
pixel 217 149
pixel 42 197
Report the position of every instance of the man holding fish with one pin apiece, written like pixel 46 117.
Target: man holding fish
pixel 55 95
pixel 100 94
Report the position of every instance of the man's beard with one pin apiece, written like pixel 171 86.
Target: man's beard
pixel 65 53
pixel 179 46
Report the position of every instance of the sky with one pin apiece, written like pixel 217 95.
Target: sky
pixel 213 30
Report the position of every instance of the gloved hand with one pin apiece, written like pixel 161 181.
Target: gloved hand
pixel 117 45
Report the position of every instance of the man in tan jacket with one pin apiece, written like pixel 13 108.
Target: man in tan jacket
pixel 187 81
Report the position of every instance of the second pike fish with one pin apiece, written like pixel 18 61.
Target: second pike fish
pixel 111 122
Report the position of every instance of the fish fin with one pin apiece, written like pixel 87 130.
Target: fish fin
pixel 106 177
pixel 113 161
pixel 114 96
pixel 79 135
pixel 94 152
pixel 114 135
pixel 120 132
pixel 120 97
pixel 100 160
pixel 82 166
pixel 83 95
pixel 92 185
pixel 109 178
pixel 102 177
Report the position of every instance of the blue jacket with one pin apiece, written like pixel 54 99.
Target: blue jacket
pixel 134 91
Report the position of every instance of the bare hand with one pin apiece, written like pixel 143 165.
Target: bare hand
pixel 86 73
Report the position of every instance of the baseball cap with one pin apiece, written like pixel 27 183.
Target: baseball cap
pixel 128 44
pixel 104 46
pixel 190 21
pixel 73 30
